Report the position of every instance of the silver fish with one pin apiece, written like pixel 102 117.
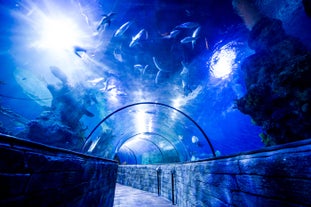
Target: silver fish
pixel 196 32
pixel 172 34
pixel 187 25
pixel 187 40
pixel 122 29
pixel 195 35
pixel 137 37
pixel 159 73
pixel 155 62
pixel 141 68
pixel 193 38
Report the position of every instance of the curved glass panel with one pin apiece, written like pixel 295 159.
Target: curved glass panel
pixel 167 151
pixel 176 135
pixel 65 65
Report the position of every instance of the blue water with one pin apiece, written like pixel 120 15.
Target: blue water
pixel 105 71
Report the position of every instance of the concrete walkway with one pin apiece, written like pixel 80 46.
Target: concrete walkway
pixel 127 197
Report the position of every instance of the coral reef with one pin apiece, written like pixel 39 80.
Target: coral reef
pixel 278 84
pixel 60 125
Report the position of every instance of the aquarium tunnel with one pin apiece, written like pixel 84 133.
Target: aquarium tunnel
pixel 166 96
pixel 144 141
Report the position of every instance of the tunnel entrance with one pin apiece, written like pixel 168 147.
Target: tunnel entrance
pixel 148 148
pixel 153 133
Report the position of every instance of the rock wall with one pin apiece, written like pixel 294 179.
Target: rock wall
pixel 274 176
pixel 32 174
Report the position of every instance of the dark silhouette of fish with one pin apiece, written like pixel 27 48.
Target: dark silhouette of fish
pixel 79 51
pixel 105 20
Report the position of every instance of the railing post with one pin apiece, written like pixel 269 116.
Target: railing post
pixel 173 172
pixel 159 170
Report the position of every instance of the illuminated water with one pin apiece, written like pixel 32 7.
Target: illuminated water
pixel 143 62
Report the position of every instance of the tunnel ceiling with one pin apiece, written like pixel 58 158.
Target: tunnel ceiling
pixel 73 63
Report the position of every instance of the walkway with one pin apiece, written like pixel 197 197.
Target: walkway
pixel 127 197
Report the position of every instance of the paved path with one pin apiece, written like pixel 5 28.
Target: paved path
pixel 127 197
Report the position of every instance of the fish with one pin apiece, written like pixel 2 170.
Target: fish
pixel 195 35
pixel 95 81
pixel 87 112
pixel 185 70
pixel 194 139
pixel 122 29
pixel 79 51
pixel 117 54
pixel 156 63
pixel 172 34
pixel 188 13
pixel 138 37
pixel 187 40
pixel 105 20
pixel 206 44
pixel 156 80
pixel 196 32
pixel 160 70
pixel 184 74
pixel 141 68
pixel 187 25
pixel 193 38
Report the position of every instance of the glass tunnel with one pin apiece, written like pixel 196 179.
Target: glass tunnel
pixel 147 141
pixel 144 82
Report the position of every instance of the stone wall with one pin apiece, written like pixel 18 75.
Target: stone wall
pixel 33 174
pixel 274 176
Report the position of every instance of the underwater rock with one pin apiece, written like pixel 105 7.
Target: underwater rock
pixel 49 130
pixel 278 84
pixel 60 125
pixel 69 102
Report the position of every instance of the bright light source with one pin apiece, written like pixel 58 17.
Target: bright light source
pixel 60 33
pixel 51 26
pixel 223 61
